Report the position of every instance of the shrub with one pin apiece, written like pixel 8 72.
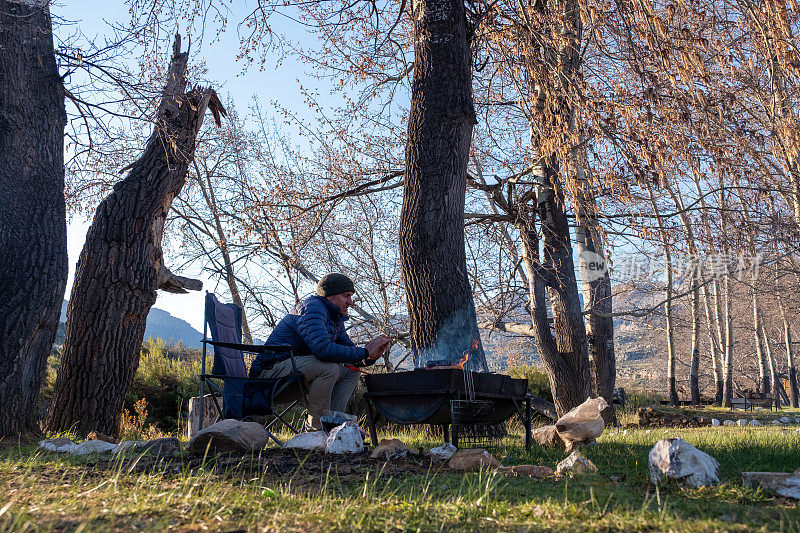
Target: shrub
pixel 538 382
pixel 166 379
pixel 134 426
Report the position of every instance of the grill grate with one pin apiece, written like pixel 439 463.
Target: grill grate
pixel 474 419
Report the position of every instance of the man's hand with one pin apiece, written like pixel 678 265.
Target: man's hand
pixel 377 346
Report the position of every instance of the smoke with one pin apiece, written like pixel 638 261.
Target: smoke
pixel 456 336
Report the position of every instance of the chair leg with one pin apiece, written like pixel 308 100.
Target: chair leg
pixel 528 424
pixel 373 434
pixel 219 409
pixel 274 438
pixel 279 417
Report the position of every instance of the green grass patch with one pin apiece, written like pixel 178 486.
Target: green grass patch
pixel 281 490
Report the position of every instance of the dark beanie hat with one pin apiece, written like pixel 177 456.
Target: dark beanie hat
pixel 333 284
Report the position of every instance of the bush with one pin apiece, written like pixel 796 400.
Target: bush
pixel 538 382
pixel 166 379
pixel 134 426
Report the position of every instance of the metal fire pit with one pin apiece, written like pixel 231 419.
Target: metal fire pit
pixel 439 396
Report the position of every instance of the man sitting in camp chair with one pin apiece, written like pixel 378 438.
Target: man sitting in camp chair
pixel 316 331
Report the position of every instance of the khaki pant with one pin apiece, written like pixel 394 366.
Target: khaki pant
pixel 330 385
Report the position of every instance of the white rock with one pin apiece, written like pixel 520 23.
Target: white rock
pixel 714 422
pixel 575 464
pixel 444 452
pixel 61 445
pixel 228 436
pixel 314 440
pixel 797 420
pixel 345 439
pixel 776 422
pixel 759 408
pixel 678 460
pixel 741 422
pixel 754 422
pixel 785 420
pixel 781 483
pixel 728 423
pixel 584 422
pixel 93 446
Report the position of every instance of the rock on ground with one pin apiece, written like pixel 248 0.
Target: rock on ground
pixel 164 447
pixel 575 465
pixel 785 419
pixel 583 422
pixel 391 449
pixel 714 422
pixel 534 471
pixel 780 483
pixel 93 446
pixel 741 422
pixel 678 460
pixel 345 439
pixel 60 444
pixel 728 423
pixel 313 440
pixel 548 437
pixel 444 452
pixel 228 436
pixel 754 422
pixel 472 459
pixel 130 446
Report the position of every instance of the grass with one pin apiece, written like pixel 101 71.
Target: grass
pixel 282 490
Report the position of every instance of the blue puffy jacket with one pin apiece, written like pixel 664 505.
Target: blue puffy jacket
pixel 313 327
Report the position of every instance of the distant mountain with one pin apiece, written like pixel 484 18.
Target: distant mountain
pixel 160 324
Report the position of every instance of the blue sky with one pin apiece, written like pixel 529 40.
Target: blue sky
pixel 276 82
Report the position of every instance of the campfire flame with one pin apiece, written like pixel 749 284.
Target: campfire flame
pixel 458 364
pixel 464 358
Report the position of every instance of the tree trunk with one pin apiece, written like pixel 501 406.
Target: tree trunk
pixel 694 364
pixel 121 265
pixel 596 285
pixel 33 234
pixel 671 381
pixel 777 386
pixel 441 310
pixel 790 367
pixel 552 72
pixel 727 391
pixel 714 332
pixel 713 342
pixel 764 376
pixel 723 339
pixel 565 359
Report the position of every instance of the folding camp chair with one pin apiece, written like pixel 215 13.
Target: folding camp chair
pixel 242 396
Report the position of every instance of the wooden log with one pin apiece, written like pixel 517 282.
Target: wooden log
pixel 209 413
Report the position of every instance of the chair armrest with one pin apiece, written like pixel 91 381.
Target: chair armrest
pixel 211 376
pixel 252 348
pixel 255 380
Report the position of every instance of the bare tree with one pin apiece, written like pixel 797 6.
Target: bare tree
pixel 122 266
